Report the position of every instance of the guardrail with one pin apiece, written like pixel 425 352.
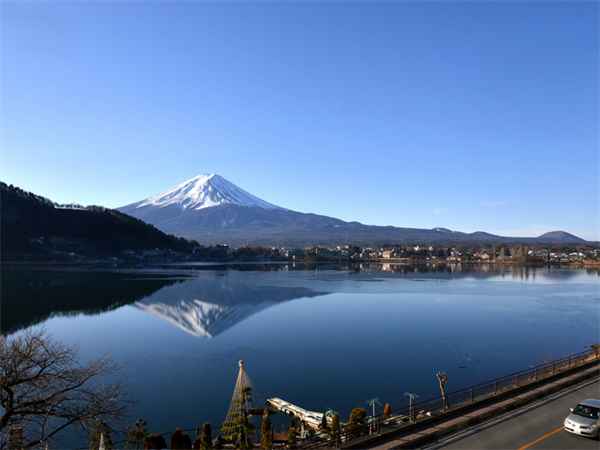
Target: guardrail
pixel 462 397
pixel 426 408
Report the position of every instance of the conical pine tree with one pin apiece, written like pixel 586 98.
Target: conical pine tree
pixel 239 420
pixel 387 411
pixel 206 443
pixel 335 431
pixel 266 432
pixel 292 441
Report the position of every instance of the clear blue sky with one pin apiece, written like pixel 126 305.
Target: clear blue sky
pixel 469 115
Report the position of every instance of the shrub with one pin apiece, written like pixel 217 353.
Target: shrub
pixel 180 441
pixel 358 414
pixel 206 442
pixel 356 418
pixel 155 441
pixel 197 443
pixel 187 441
pixel 387 411
pixel 335 431
pixel 266 433
pixel 292 438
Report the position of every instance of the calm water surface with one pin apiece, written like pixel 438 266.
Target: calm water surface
pixel 316 336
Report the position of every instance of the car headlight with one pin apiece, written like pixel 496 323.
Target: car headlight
pixel 593 427
pixel 568 422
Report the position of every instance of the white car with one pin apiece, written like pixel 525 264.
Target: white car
pixel 584 418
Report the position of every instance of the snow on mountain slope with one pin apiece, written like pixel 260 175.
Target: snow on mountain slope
pixel 200 318
pixel 205 191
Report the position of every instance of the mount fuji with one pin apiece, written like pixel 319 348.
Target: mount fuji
pixel 203 191
pixel 212 210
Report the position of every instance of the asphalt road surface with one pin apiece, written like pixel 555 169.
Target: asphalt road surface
pixel 537 426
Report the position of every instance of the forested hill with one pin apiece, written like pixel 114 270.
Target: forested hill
pixel 34 227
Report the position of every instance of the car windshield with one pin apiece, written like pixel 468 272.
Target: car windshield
pixel 586 411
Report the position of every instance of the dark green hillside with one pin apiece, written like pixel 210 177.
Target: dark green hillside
pixel 35 228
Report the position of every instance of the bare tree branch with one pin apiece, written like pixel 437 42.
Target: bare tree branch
pixel 44 389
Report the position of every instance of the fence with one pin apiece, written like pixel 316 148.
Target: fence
pixel 466 396
pixel 426 408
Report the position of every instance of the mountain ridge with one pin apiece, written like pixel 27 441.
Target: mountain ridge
pixel 212 210
pixel 35 227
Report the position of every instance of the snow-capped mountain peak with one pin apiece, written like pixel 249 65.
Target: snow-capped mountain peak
pixel 205 191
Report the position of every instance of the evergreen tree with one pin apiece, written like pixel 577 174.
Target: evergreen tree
pixel 324 420
pixel 387 411
pixel 292 438
pixel 266 433
pixel 206 443
pixel 100 431
pixel 137 434
pixel 335 431
pixel 197 445
pixel 239 417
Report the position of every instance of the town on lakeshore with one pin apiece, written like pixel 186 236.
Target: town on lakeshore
pixel 431 254
pixel 38 232
pixel 35 228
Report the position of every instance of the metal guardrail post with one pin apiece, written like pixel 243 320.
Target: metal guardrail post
pixel 536 374
pixel 569 362
pixel 471 395
pixel 495 386
pixel 553 367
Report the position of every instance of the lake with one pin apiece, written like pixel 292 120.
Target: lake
pixel 318 336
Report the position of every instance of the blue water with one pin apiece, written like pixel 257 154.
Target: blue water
pixel 330 338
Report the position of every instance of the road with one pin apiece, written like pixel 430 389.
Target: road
pixel 537 426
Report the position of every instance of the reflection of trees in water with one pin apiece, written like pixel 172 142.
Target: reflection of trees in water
pixel 459 268
pixel 31 297
pixel 593 270
pixel 480 271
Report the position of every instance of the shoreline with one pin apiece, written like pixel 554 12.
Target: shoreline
pixel 395 261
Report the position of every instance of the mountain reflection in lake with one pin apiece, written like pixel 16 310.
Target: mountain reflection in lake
pixel 316 336
pixel 207 308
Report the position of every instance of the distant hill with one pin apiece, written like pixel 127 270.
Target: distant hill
pixel 34 227
pixel 212 210
pixel 559 236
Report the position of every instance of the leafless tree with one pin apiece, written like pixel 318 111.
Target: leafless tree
pixel 442 380
pixel 46 391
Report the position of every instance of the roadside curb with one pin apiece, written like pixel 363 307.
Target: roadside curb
pixel 466 415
